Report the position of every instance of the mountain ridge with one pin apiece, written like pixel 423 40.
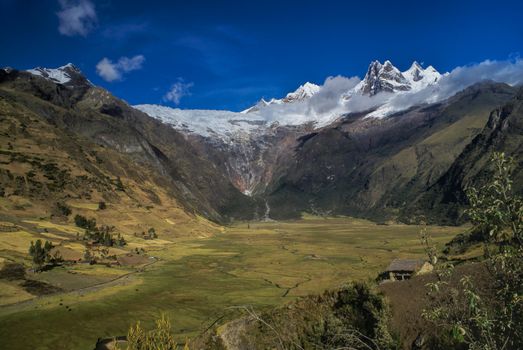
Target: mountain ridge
pixel 356 164
pixel 93 114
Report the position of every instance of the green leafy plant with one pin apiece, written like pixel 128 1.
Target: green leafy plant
pixel 159 338
pixel 495 212
pixel 83 222
pixel 63 209
pixel 487 317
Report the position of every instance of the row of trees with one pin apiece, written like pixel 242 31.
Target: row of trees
pixel 41 254
pixel 103 234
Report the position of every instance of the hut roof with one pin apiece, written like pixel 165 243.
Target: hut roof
pixel 405 265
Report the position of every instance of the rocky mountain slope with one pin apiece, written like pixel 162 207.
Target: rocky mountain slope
pixel 502 133
pixel 103 139
pixel 375 167
pixel 246 145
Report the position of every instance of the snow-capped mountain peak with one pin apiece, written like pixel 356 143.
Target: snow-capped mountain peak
pixel 290 111
pixel 420 78
pixel 387 78
pixel 305 91
pixel 61 75
pixel 262 103
pixel 382 77
pixel 391 80
pixel 415 72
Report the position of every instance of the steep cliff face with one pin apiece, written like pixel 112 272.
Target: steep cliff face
pixel 502 133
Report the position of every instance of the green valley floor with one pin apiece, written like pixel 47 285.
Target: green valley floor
pixel 196 282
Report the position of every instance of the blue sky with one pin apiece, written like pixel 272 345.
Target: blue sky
pixel 228 54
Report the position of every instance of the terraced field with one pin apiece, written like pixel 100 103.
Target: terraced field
pixel 197 281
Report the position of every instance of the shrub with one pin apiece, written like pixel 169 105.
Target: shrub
pixel 102 205
pixel 491 317
pixel 104 235
pixel 83 222
pixel 41 254
pixel 63 209
pixel 152 233
pixel 353 317
pixel 159 338
pixel 119 184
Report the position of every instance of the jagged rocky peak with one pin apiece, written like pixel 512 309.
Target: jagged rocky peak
pixel 387 78
pixel 383 77
pixel 66 74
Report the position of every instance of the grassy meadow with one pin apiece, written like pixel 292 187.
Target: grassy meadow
pixel 197 281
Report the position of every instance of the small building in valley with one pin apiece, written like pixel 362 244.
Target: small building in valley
pixel 403 269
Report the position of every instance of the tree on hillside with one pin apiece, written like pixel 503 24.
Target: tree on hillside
pixel 41 254
pixel 152 233
pixel 88 255
pixel 62 209
pixel 83 222
pixel 487 317
pixel 119 184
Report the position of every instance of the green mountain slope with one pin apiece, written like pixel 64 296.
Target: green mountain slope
pixel 503 133
pixel 376 167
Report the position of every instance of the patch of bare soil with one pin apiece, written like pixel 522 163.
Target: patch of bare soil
pixel 133 260
pixel 12 271
pixel 39 288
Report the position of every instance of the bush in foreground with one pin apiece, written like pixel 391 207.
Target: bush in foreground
pixel 487 314
pixel 159 338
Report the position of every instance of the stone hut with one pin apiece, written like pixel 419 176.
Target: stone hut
pixel 403 269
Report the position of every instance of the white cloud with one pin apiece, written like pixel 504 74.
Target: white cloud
pixel 329 95
pixel 177 91
pixel 77 17
pixel 323 107
pixel 110 71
